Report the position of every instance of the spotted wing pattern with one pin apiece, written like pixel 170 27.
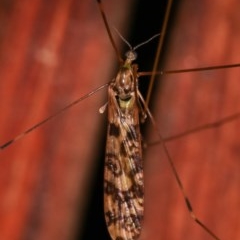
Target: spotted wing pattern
pixel 123 177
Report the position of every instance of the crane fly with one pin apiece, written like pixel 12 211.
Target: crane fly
pixel 45 170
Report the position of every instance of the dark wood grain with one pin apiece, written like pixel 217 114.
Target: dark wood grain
pixel 54 52
pixel 51 53
pixel 203 34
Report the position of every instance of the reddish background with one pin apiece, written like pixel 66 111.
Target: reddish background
pixel 204 33
pixel 53 52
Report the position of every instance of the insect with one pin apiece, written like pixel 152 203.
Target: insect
pixel 116 215
pixel 47 170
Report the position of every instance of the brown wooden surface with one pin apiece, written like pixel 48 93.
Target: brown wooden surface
pixel 53 52
pixel 203 33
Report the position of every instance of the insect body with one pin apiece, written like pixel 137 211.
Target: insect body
pixel 123 172
pixel 123 177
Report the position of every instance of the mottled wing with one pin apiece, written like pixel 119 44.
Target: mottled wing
pixel 123 177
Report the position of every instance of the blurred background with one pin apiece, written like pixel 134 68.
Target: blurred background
pixel 52 53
